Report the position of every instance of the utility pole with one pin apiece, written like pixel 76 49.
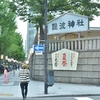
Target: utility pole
pixel 45 72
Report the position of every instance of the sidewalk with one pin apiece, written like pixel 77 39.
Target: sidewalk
pixel 36 88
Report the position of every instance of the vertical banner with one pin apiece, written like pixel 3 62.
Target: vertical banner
pixel 73 60
pixel 56 60
pixel 64 60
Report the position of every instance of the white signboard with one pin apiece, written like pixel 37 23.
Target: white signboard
pixel 64 60
pixel 68 23
pixel 38 52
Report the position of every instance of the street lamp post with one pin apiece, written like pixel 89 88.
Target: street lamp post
pixel 45 72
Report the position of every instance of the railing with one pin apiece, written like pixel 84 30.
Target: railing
pixel 75 44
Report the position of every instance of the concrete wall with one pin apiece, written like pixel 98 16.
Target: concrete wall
pixel 88 69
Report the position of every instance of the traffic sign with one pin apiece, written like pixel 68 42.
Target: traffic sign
pixel 38 52
pixel 38 48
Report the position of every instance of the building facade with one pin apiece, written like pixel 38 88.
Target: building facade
pixel 86 43
pixel 31 33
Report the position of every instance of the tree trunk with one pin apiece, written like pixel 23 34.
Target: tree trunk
pixel 41 35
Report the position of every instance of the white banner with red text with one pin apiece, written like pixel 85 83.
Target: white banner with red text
pixel 64 60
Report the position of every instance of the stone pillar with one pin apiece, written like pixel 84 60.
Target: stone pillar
pixel 52 46
pixel 65 44
pixel 55 46
pixel 71 45
pixel 94 44
pixel 49 46
pixel 58 45
pixel 68 44
pixel 90 44
pixel 83 45
pixel 75 45
pixel 98 44
pixel 79 35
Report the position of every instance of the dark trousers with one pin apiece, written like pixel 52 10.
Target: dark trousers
pixel 24 88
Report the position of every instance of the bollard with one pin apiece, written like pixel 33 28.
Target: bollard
pixel 50 78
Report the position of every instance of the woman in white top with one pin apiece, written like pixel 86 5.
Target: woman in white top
pixel 24 74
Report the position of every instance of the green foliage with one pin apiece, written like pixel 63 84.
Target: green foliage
pixel 15 50
pixel 10 40
pixel 34 10
pixel 23 7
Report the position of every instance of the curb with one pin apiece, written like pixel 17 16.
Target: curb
pixel 64 95
pixel 45 96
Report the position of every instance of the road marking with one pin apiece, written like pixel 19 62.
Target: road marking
pixel 83 98
pixel 1 94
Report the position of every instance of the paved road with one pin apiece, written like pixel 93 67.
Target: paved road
pixel 58 98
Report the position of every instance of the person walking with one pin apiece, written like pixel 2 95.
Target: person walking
pixel 6 80
pixel 24 74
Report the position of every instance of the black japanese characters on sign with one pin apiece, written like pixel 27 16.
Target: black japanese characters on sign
pixel 54 26
pixel 72 59
pixel 62 25
pixel 80 22
pixel 56 59
pixel 70 24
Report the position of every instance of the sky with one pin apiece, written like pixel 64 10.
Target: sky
pixel 96 22
pixel 22 28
